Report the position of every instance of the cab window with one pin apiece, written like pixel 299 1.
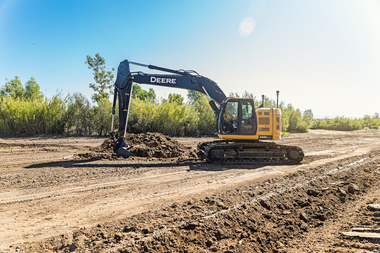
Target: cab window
pixel 230 117
pixel 248 115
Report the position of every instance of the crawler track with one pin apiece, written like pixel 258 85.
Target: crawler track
pixel 260 153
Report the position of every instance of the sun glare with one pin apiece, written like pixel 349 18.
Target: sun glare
pixel 246 26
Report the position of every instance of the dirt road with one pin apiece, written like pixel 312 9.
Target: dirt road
pixel 54 197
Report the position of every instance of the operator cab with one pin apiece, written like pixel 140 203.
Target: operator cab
pixel 237 117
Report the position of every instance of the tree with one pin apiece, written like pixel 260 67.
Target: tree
pixel 207 121
pixel 234 95
pixel 80 114
pixel 102 117
pixel 194 96
pixel 367 121
pixel 174 98
pixel 376 121
pixel 296 124
pixel 13 88
pixel 247 94
pixel 32 90
pixel 141 94
pixel 103 78
pixel 307 117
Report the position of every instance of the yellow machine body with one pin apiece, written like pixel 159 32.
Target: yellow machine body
pixel 252 124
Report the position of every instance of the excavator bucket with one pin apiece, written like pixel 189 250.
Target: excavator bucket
pixel 122 151
pixel 120 147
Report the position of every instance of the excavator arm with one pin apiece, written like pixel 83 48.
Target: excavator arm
pixel 189 80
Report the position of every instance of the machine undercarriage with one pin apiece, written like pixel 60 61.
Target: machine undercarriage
pixel 238 152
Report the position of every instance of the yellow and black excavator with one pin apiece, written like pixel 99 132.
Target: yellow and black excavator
pixel 244 130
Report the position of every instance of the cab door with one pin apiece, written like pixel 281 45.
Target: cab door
pixel 248 121
pixel 228 120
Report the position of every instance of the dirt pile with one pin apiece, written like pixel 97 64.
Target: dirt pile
pixel 283 214
pixel 149 145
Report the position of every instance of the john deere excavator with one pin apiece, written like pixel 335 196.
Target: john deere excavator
pixel 244 130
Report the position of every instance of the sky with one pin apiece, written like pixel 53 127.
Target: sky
pixel 322 55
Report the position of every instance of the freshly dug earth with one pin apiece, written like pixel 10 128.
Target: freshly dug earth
pixel 54 200
pixel 277 215
pixel 147 145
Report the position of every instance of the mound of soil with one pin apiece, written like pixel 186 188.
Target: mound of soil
pixel 149 145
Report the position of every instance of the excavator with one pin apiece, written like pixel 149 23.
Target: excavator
pixel 244 131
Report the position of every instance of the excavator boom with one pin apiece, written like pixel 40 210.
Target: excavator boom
pixel 189 80
pixel 178 79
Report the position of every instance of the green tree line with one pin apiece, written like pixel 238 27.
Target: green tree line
pixel 347 124
pixel 25 110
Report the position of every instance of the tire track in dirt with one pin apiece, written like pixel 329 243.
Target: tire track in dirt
pixel 228 219
pixel 76 190
pixel 229 176
pixel 88 207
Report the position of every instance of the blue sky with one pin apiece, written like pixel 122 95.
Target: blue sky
pixel 321 55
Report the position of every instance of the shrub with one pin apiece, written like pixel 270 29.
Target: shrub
pixel 339 124
pixel 79 115
pixel 168 118
pixel 103 117
pixel 19 116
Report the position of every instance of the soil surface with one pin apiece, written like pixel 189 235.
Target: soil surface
pixel 71 194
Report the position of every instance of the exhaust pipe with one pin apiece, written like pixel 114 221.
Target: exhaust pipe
pixel 277 93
